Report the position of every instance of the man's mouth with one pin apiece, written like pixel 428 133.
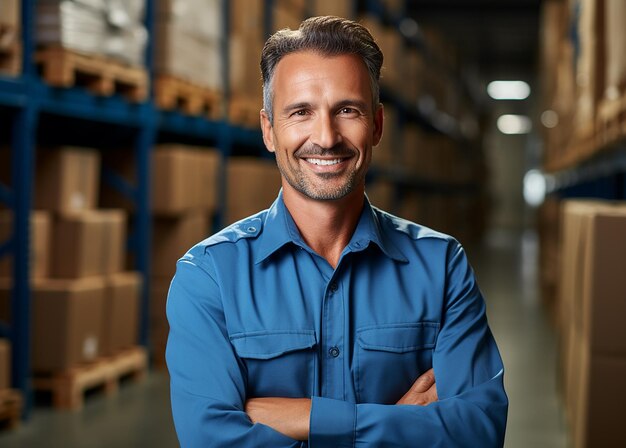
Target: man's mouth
pixel 324 162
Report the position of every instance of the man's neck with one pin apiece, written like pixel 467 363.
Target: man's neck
pixel 326 226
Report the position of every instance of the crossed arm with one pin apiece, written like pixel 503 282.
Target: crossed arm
pixel 290 416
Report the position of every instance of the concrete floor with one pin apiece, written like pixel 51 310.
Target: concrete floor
pixel 139 416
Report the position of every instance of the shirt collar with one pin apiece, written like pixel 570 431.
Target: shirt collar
pixel 280 229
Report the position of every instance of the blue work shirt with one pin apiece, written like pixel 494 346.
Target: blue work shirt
pixel 255 312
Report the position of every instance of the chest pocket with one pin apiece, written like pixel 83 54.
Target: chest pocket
pixel 278 363
pixel 389 358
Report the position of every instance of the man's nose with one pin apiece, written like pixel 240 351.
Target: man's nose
pixel 325 133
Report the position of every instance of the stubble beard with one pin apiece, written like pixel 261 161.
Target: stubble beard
pixel 298 180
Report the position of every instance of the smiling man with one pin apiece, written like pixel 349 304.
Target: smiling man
pixel 324 321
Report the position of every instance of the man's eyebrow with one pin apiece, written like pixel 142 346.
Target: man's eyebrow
pixel 295 106
pixel 362 105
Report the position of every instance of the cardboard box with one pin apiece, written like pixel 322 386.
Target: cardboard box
pixel 67 322
pixel 176 54
pixel 244 69
pixel 252 186
pixel 88 243
pixel 40 229
pixel 5 364
pixel 67 179
pixel 120 318
pixel 172 237
pixel 184 179
pixel 246 18
pixel 10 13
pixel 596 392
pixel 615 42
pixel 592 286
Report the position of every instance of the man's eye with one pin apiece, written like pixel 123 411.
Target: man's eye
pixel 348 110
pixel 299 113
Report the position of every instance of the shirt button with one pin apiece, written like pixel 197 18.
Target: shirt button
pixel 333 287
pixel 334 352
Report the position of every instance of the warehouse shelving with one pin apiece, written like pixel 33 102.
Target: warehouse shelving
pixel 602 176
pixel 30 104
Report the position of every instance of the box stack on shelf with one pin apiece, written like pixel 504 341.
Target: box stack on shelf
pixel 184 200
pixel 11 400
pixel 85 314
pixel 422 149
pixel 98 43
pixel 584 80
pixel 247 35
pixel 10 42
pixel 590 321
pixel 252 185
pixel 189 62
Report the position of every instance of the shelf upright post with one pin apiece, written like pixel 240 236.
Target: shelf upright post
pixel 22 174
pixel 143 223
pixel 144 144
pixel 22 161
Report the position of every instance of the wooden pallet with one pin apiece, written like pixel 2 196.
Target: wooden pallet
pixel 10 51
pixel 172 93
pixel 244 111
pixel 11 403
pixel 611 121
pixel 68 388
pixel 103 76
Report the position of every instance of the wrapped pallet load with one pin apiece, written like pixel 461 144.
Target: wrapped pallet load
pixel 189 39
pixel 112 28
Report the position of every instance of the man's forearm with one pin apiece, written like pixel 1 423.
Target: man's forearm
pixel 289 416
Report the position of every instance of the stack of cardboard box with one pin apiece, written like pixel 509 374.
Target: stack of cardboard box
pixel 591 328
pixel 252 185
pixel 112 28
pixel 10 42
pixel 184 198
pixel 247 35
pixel 189 38
pixel 84 304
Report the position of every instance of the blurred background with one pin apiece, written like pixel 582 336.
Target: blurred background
pixel 129 131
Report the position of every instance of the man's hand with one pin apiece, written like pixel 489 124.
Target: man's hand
pixel 422 392
pixel 289 416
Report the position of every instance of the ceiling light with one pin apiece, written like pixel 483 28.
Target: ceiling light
pixel 508 90
pixel 514 124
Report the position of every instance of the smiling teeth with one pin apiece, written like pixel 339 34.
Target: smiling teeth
pixel 323 162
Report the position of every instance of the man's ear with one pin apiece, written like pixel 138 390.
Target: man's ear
pixel 266 128
pixel 378 124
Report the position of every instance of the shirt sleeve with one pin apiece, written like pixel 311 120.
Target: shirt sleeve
pixel 472 407
pixel 207 380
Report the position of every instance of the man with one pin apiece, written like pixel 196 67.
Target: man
pixel 319 320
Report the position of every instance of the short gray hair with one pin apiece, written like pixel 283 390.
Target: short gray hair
pixel 328 36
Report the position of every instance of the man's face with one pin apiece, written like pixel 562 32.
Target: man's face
pixel 324 123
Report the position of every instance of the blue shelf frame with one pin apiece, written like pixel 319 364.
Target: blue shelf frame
pixel 24 100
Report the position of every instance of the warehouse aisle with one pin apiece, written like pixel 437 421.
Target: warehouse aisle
pixel 507 271
pixel 139 415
